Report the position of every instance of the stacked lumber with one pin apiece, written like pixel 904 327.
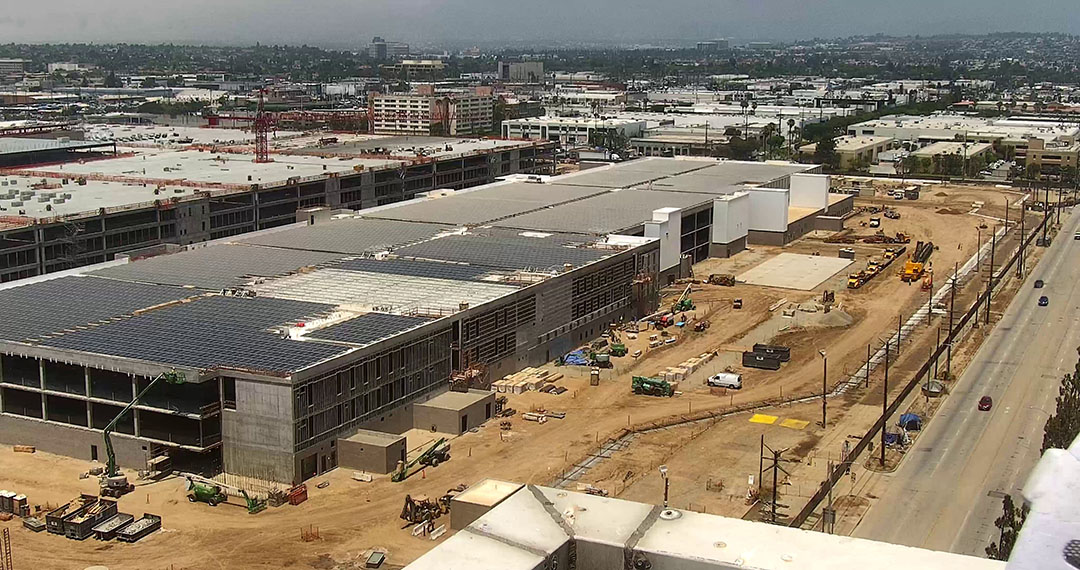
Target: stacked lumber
pixel 525 380
pixel 685 369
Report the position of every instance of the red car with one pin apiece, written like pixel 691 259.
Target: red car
pixel 985 403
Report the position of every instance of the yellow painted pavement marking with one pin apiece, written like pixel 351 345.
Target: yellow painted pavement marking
pixel 763 419
pixel 794 424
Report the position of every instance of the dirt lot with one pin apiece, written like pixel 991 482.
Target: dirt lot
pixel 709 461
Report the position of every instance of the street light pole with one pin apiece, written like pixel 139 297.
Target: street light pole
pixel 884 405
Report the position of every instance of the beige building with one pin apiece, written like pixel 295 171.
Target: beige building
pixel 1051 155
pixel 967 150
pixel 425 112
pixel 855 149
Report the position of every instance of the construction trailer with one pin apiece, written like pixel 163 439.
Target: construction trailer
pixel 751 359
pixel 781 353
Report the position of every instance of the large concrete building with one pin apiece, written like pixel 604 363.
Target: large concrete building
pixel 572 130
pixel 69 214
pixel 855 150
pixel 294 337
pixel 521 71
pixel 427 113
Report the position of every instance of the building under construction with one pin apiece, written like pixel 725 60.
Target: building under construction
pixel 68 211
pixel 292 338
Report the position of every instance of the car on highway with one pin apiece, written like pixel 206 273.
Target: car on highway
pixel 1044 301
pixel 985 403
pixel 1076 235
pixel 1038 283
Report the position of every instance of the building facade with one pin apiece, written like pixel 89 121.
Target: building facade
pixel 568 130
pixel 432 114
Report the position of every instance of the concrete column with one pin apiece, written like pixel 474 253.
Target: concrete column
pixel 134 411
pixel 41 382
pixel 89 419
pixel 1 382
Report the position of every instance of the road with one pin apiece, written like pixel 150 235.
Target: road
pixel 947 491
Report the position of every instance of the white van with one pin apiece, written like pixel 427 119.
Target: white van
pixel 726 380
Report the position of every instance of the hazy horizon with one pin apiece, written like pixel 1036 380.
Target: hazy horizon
pixel 342 23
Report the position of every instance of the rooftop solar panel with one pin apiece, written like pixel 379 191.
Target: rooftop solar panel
pixel 416 268
pixel 38 309
pixel 355 235
pixel 368 328
pixel 506 249
pixel 209 332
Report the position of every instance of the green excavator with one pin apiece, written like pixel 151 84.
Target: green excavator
pixel 114 483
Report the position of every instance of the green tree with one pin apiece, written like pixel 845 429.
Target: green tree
pixel 1064 426
pixel 112 81
pixel 1032 171
pixel 825 153
pixel 1008 525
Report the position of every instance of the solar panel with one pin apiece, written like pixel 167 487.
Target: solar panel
pixel 209 332
pixel 37 309
pixel 414 268
pixel 505 249
pixel 368 328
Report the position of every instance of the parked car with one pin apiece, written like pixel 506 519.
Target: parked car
pixel 1076 236
pixel 1038 283
pixel 1044 301
pixel 985 403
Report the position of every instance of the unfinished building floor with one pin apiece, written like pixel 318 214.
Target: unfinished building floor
pixel 795 271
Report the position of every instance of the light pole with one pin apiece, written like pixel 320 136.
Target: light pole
pixel 663 473
pixel 824 385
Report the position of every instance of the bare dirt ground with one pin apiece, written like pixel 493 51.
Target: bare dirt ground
pixel 709 462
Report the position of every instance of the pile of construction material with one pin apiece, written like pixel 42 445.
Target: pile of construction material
pixel 527 380
pixel 675 374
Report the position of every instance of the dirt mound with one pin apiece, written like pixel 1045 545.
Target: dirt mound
pixel 941 194
pixel 950 211
pixel 836 318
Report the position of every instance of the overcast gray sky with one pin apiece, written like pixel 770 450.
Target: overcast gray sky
pixel 345 22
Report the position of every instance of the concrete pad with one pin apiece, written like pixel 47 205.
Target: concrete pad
pixel 763 419
pixel 794 424
pixel 795 271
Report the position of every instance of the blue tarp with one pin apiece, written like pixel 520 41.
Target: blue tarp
pixel 911 422
pixel 576 358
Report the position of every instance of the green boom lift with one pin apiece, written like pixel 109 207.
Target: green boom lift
pixel 437 453
pixel 114 483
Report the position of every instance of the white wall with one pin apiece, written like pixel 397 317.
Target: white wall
pixel 667 225
pixel 810 190
pixel 769 209
pixel 731 217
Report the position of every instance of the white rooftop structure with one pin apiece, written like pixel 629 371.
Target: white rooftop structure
pixel 947 126
pixel 539 527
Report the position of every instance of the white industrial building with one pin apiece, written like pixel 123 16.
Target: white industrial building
pixel 570 130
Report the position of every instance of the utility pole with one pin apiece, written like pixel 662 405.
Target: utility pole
pixel 1023 248
pixel 936 345
pixel 899 329
pixel 760 465
pixel 884 405
pixel 867 385
pixel 990 278
pixel 824 386
pixel 952 309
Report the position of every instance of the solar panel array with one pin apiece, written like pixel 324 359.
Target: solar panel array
pixel 505 249
pixel 37 309
pixel 217 267
pixel 415 268
pixel 209 332
pixel 354 236
pixel 368 328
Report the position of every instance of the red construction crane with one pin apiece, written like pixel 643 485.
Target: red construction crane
pixel 263 124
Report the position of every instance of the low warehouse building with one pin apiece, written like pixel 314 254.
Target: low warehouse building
pixel 454 412
pixel 372 451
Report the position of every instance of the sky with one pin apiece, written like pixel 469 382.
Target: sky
pixel 340 23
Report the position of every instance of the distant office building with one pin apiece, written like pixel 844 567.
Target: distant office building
pixel 381 49
pixel 425 112
pixel 521 71
pixel 419 68
pixel 12 66
pixel 712 46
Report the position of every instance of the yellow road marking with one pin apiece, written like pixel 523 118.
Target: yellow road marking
pixel 763 419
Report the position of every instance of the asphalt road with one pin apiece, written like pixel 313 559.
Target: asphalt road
pixel 947 491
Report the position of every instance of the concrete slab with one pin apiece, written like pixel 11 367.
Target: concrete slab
pixel 795 271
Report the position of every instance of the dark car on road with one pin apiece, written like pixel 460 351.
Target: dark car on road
pixel 1044 301
pixel 985 403
pixel 1038 283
